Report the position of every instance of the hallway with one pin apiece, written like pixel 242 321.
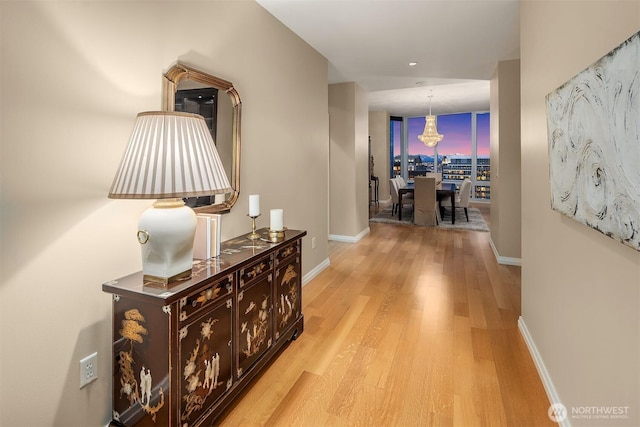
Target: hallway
pixel 409 326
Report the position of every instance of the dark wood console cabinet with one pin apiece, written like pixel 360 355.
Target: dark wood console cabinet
pixel 183 352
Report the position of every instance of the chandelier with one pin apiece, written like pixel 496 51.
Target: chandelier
pixel 430 136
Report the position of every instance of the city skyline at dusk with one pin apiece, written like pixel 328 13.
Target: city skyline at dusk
pixel 456 129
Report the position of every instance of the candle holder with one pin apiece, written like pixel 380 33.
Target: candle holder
pixel 276 236
pixel 253 235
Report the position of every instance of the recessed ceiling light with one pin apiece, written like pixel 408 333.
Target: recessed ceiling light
pixel 411 64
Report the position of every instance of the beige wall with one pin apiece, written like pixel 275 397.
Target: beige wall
pixel 580 289
pixel 505 161
pixel 349 169
pixel 379 129
pixel 362 160
pixel 73 77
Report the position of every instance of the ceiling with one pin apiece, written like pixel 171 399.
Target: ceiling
pixel 456 44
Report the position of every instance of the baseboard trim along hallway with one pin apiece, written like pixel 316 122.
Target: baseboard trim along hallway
pixel 503 259
pixel 317 270
pixel 350 239
pixel 542 369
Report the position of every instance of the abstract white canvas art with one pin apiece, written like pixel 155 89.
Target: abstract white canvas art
pixel 593 125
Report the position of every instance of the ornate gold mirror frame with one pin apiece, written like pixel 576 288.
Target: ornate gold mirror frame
pixel 225 127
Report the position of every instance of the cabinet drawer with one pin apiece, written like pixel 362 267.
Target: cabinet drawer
pixel 203 298
pixel 287 251
pixel 256 270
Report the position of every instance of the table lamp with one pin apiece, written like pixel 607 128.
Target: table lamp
pixel 171 155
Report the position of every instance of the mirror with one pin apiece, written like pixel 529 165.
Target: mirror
pixel 191 90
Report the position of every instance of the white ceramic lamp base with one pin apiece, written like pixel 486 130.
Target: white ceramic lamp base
pixel 165 233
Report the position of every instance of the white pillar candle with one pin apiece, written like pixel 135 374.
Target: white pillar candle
pixel 277 222
pixel 254 205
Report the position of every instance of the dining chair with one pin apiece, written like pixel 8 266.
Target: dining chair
pixel 407 199
pixel 436 175
pixel 393 192
pixel 462 198
pixel 425 204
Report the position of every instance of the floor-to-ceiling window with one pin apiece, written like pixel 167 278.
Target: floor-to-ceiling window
pixel 462 153
pixel 456 148
pixel 395 148
pixel 482 185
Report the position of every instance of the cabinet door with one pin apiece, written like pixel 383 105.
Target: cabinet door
pixel 141 362
pixel 205 360
pixel 287 295
pixel 254 321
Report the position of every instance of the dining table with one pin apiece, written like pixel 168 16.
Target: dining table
pixel 443 192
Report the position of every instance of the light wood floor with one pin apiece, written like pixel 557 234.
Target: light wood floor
pixel 409 327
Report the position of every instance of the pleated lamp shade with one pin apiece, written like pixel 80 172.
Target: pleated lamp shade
pixel 170 155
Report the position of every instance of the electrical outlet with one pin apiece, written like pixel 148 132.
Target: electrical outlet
pixel 88 369
pixel 313 243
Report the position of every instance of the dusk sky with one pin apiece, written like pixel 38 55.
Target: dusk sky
pixel 456 129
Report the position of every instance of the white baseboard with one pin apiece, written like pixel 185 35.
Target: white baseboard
pixel 503 259
pixel 350 239
pixel 317 270
pixel 552 394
